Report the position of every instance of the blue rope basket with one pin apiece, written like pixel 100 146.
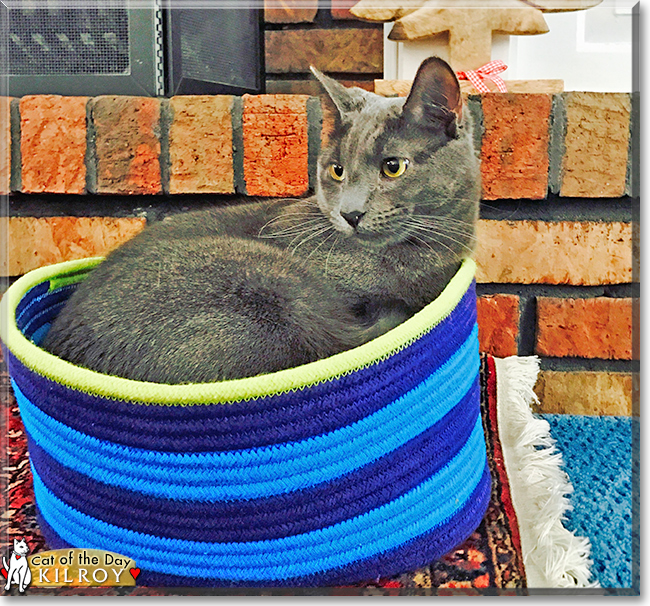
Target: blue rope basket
pixel 366 464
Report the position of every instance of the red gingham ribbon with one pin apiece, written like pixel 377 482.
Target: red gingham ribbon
pixel 489 71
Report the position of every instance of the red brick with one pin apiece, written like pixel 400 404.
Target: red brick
pixel 585 328
pixel 596 142
pixel 275 145
pixel 566 252
pixel 200 145
pixel 341 9
pixel 5 145
pixel 127 144
pixel 348 50
pixel 290 11
pixel 35 242
pixel 514 154
pixel 498 324
pixel 53 144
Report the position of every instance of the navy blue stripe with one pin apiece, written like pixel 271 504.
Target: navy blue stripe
pixel 410 556
pixel 29 297
pixel 45 316
pixel 273 517
pixel 43 308
pixel 264 421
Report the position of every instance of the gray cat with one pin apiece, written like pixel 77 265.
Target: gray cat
pixel 255 288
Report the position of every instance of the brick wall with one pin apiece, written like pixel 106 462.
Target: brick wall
pixel 323 33
pixel 557 274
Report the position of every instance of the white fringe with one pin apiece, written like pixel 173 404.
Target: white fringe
pixel 553 556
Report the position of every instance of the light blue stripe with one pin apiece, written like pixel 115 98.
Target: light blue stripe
pixel 266 471
pixel 413 514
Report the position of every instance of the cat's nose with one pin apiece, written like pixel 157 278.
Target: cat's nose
pixel 353 218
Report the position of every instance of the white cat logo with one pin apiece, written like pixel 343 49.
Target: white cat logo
pixel 18 571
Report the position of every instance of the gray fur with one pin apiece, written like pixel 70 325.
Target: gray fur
pixel 249 289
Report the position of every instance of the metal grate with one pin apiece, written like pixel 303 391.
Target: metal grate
pixel 48 41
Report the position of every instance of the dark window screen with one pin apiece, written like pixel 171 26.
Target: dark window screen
pixel 42 41
pixel 215 51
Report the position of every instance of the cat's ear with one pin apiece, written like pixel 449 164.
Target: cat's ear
pixel 347 100
pixel 435 101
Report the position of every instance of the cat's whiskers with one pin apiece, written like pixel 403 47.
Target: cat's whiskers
pixel 316 233
pixel 435 234
pixel 441 198
pixel 321 244
pixel 458 225
pixel 287 218
pixel 329 254
pixel 445 230
pixel 416 237
pixel 413 226
pixel 443 219
pixel 293 229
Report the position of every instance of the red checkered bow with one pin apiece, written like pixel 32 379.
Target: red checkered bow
pixel 489 71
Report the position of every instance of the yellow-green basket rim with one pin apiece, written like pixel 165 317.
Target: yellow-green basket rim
pixel 98 384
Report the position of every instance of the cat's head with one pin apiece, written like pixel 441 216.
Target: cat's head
pixel 394 165
pixel 20 547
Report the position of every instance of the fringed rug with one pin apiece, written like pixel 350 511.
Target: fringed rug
pixel 520 544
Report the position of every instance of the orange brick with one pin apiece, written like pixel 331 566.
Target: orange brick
pixel 596 142
pixel 53 144
pixel 200 145
pixel 539 252
pixel 498 324
pixel 127 144
pixel 514 154
pixel 35 242
pixel 5 145
pixel 275 145
pixel 290 11
pixel 584 328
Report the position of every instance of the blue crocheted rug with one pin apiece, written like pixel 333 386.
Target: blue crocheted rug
pixel 601 459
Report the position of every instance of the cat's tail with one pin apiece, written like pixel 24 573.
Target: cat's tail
pixel 4 563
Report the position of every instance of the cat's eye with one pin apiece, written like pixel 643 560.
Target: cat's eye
pixel 337 172
pixel 394 167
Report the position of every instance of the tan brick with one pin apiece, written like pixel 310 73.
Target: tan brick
pixel 5 145
pixel 530 252
pixel 514 154
pixel 584 393
pixel 585 328
pixel 53 144
pixel 127 144
pixel 290 11
pixel 275 145
pixel 200 145
pixel 349 50
pixel 498 324
pixel 595 160
pixel 35 242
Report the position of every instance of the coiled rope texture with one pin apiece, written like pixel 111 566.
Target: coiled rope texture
pixel 366 464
